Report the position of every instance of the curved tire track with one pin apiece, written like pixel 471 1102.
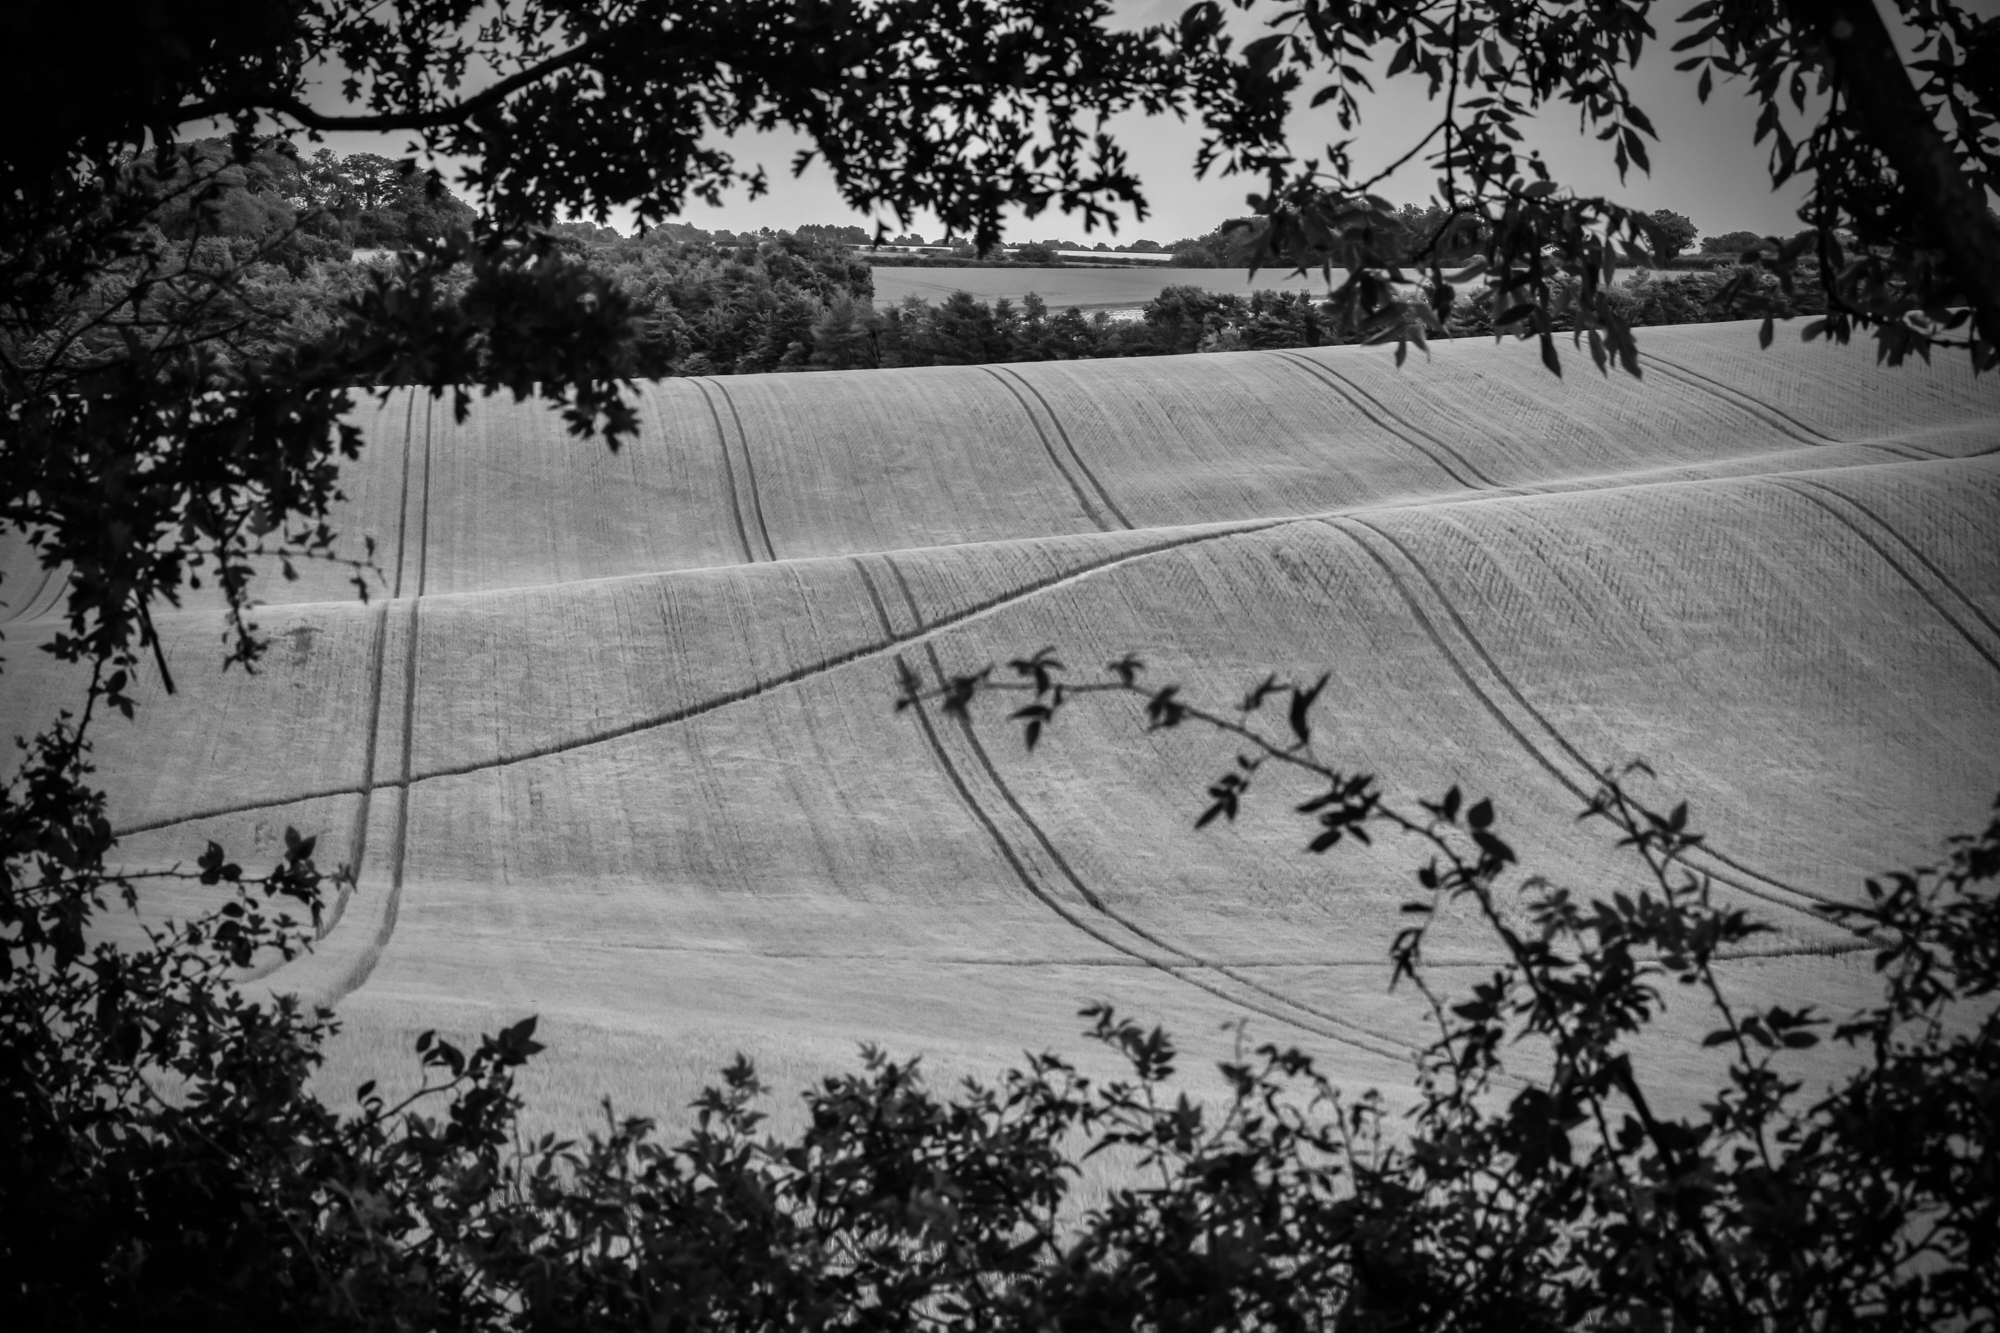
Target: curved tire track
pixel 749 469
pixel 1805 487
pixel 1182 966
pixel 833 662
pixel 1772 415
pixel 728 475
pixel 357 836
pixel 1084 891
pixel 30 608
pixel 1522 738
pixel 1402 430
pixel 729 697
pixel 364 966
pixel 1012 377
pixel 358 839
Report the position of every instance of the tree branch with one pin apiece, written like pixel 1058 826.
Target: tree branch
pixel 456 113
pixel 1891 117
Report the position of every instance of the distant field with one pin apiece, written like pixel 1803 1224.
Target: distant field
pixel 614 743
pixel 1090 288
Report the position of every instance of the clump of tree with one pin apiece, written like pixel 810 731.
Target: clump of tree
pixel 706 308
pixel 1672 234
pixel 320 206
pixel 1731 243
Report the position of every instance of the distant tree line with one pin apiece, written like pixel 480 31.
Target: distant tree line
pixel 728 303
pixel 793 303
pixel 328 204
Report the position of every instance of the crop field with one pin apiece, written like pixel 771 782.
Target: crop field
pixel 1089 288
pixel 613 738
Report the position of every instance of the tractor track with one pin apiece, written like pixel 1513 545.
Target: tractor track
pixel 1526 742
pixel 1184 971
pixel 1083 501
pixel 1096 484
pixel 1772 415
pixel 749 469
pixel 672 717
pixel 728 474
pixel 1403 430
pixel 1094 900
pixel 978 610
pixel 1806 491
pixel 1914 550
pixel 357 835
pixel 1784 422
pixel 364 966
pixel 29 608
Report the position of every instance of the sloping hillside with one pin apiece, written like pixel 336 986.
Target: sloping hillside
pixel 613 739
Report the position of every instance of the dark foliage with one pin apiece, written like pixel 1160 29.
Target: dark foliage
pixel 1902 162
pixel 1673 233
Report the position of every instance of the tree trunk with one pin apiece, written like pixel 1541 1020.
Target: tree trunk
pixel 1892 119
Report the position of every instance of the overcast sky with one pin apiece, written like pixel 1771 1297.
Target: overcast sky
pixel 1704 166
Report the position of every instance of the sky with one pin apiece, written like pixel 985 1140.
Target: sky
pixel 1704 166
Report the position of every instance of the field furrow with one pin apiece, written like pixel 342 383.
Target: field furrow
pixel 1945 597
pixel 1460 469
pixel 599 749
pixel 1579 774
pixel 1777 418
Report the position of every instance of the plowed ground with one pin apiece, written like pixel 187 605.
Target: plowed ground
pixel 613 740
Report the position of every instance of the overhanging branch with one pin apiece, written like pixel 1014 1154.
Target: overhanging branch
pixel 438 118
pixel 1892 118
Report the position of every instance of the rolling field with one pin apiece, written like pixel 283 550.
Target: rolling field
pixel 1089 288
pixel 613 741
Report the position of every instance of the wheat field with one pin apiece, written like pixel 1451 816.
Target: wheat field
pixel 1079 284
pixel 613 739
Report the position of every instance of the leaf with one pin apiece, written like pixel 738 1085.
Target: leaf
pixel 1255 699
pixel 1636 146
pixel 1262 55
pixel 1302 702
pixel 1480 816
pixel 1764 333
